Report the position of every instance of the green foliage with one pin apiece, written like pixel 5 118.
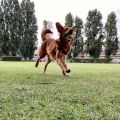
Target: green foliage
pixel 29 35
pixel 111 44
pixel 15 25
pixel 5 43
pixel 93 30
pixel 69 20
pixel 1 29
pixel 4 34
pixel 45 22
pixel 10 26
pixel 79 43
pixel 27 94
pixel 18 28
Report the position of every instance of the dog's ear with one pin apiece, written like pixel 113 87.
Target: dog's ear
pixel 59 27
pixel 70 31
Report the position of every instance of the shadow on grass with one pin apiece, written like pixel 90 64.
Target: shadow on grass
pixel 39 79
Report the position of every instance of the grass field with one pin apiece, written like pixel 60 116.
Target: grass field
pixel 91 92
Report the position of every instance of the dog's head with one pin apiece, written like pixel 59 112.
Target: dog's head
pixel 64 31
pixel 65 42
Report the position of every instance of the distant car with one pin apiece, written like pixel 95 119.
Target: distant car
pixel 116 60
pixel 36 57
pixel 43 59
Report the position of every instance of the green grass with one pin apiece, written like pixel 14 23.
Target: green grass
pixel 91 92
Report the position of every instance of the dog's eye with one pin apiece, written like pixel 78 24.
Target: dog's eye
pixel 68 36
pixel 68 40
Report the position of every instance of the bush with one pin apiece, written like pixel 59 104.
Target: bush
pixel 11 58
pixel 93 60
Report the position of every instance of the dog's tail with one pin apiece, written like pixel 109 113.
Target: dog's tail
pixel 44 32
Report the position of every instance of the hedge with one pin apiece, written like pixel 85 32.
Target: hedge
pixel 11 58
pixel 93 60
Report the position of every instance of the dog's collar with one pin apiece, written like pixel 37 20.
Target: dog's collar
pixel 62 50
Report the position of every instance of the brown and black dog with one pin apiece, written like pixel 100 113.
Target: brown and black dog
pixel 56 49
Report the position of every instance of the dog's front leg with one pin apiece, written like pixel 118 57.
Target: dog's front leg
pixel 60 58
pixel 64 63
pixel 60 63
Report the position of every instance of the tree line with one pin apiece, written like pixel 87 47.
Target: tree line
pixel 18 28
pixel 18 31
pixel 93 35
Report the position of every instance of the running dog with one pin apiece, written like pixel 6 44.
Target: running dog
pixel 56 49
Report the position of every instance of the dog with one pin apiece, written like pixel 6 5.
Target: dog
pixel 56 49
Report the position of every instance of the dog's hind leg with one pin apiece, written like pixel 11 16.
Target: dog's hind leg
pixel 40 57
pixel 48 61
pixel 37 62
pixel 42 53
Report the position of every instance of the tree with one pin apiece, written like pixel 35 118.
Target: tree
pixel 69 20
pixel 16 23
pixel 14 26
pixel 10 26
pixel 93 32
pixel 30 27
pixel 4 28
pixel 79 43
pixel 1 29
pixel 111 44
pixel 45 23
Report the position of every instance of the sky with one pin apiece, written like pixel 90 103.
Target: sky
pixel 56 10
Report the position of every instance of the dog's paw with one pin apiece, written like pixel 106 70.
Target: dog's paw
pixel 68 71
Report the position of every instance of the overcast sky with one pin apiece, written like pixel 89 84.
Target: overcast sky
pixel 56 10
